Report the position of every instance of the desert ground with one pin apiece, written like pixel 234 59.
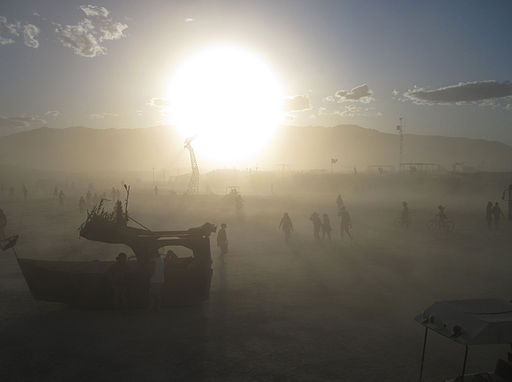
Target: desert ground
pixel 329 311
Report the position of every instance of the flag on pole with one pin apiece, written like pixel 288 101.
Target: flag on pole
pixel 334 160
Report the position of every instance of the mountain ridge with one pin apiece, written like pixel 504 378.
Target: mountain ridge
pixel 79 148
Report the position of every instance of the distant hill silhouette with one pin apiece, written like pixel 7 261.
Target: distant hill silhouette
pixel 85 149
pixel 306 147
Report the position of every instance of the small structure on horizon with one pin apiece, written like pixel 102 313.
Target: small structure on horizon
pixel 424 167
pixel 381 169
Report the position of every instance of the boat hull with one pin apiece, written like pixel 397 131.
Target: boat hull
pixel 87 284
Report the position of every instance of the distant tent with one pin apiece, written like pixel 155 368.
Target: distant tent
pixel 470 322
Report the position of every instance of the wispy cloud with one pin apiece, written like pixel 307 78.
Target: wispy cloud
pixel 53 113
pixel 102 115
pixel 86 37
pixel 462 93
pixel 19 123
pixel 160 105
pixel 158 102
pixel 361 93
pixel 351 111
pixel 7 31
pixel 348 110
pixel 10 31
pixel 296 103
pixel 30 33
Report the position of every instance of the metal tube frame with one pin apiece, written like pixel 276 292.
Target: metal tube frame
pixel 423 353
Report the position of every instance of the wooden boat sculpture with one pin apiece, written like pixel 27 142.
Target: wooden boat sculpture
pixel 79 283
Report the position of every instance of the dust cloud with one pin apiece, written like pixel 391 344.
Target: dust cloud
pixel 303 311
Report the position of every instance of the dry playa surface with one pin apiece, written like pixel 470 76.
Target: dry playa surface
pixel 329 311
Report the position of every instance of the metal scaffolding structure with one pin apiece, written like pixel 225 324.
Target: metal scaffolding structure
pixel 193 184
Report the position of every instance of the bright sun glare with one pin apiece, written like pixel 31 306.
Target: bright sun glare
pixel 229 100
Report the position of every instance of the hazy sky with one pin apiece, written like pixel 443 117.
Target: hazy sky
pixel 443 65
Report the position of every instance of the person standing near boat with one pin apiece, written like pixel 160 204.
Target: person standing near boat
pixel 118 275
pixel 156 283
pixel 222 241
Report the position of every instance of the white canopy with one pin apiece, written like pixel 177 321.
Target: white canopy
pixel 470 322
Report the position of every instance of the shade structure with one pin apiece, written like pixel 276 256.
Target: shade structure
pixel 470 322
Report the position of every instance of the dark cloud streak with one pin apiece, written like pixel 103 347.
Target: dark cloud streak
pixel 463 92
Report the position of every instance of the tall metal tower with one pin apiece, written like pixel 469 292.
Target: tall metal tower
pixel 401 130
pixel 193 184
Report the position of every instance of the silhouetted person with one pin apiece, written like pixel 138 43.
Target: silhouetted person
pixel 155 190
pixel 81 205
pixel 317 225
pixel 25 192
pixel 326 227
pixel 405 215
pixel 119 215
pixel 118 276
pixel 61 197
pixel 346 222
pixel 339 202
pixel 498 214
pixel 222 241
pixel 88 198
pixel 239 205
pixel 286 225
pixel 156 283
pixel 489 214
pixel 3 223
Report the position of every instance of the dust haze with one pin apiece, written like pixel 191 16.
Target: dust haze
pixel 303 311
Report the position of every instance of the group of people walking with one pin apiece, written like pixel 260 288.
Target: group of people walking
pixel 321 224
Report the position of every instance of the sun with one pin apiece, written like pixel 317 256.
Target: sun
pixel 229 100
